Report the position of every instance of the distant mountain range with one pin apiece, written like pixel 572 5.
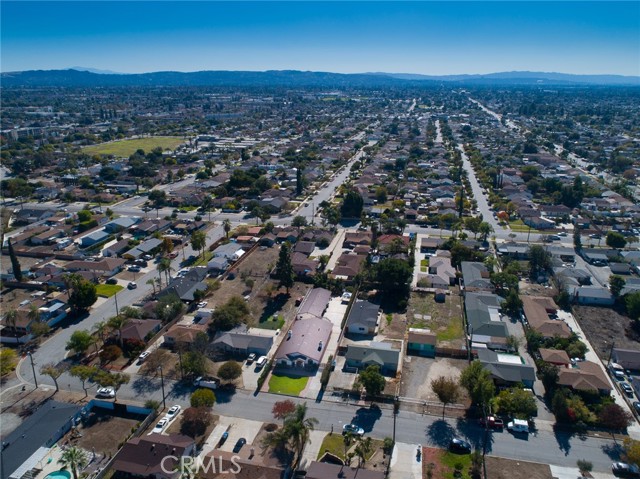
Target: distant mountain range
pixel 86 77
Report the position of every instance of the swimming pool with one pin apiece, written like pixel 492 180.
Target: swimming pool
pixel 61 474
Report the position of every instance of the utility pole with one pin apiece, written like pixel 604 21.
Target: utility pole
pixel 164 403
pixel 613 345
pixel 33 369
pixel 115 296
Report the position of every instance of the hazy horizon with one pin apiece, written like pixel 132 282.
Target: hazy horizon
pixel 428 38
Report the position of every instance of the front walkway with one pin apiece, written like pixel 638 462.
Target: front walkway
pixel 404 463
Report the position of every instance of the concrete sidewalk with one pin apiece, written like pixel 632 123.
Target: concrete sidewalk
pixel 404 464
pixel 312 448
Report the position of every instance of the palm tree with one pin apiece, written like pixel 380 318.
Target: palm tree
pixel 34 313
pixel 164 267
pixel 152 282
pixel 226 224
pixel 117 323
pixel 10 318
pixel 100 329
pixel 363 449
pixel 299 426
pixel 75 459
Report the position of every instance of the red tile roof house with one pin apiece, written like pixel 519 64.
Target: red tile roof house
pixel 143 456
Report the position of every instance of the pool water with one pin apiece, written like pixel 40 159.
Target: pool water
pixel 59 475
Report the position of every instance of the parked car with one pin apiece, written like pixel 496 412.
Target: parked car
pixel 622 469
pixel 518 425
pixel 459 446
pixel 107 392
pixel 251 358
pixel 241 442
pixel 112 281
pixel 492 422
pixel 134 269
pixel 161 424
pixel 202 304
pixel 223 439
pixel 132 285
pixel 353 429
pixel 173 411
pixel 262 360
pixel 143 356
pixel 595 236
pixel 628 390
pixel 636 406
pixel 147 257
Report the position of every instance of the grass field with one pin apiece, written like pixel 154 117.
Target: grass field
pixel 125 148
pixel 334 444
pixel 519 227
pixel 291 386
pixel 108 290
pixel 275 322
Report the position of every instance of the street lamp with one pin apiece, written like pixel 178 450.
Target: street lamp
pixel 164 404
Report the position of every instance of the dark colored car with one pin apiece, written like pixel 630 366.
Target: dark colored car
pixel 112 281
pixel 636 406
pixel 223 439
pixel 622 469
pixel 241 442
pixel 628 390
pixel 459 446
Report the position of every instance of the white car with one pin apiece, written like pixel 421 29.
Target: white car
pixel 262 360
pixel 132 285
pixel 161 424
pixel 173 411
pixel 107 392
pixel 143 356
pixel 202 304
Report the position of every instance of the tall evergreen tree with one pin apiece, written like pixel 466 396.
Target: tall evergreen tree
pixel 15 264
pixel 284 268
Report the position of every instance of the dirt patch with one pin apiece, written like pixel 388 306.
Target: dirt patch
pixel 102 432
pixel 533 289
pixel 499 468
pixel 268 455
pixel 601 334
pixel 417 374
pixel 393 325
pixel 445 319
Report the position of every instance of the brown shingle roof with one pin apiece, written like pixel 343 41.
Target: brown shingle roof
pixel 587 376
pixel 142 456
pixel 556 356
pixel 537 309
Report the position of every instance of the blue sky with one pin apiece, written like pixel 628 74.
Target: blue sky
pixel 415 37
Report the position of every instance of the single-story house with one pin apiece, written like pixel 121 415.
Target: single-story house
pixel 430 245
pixel 218 264
pixel 557 357
pixel 186 286
pixel 304 247
pixel 314 304
pixel 140 329
pixel 146 247
pixel 536 311
pixel 586 376
pixel 229 251
pixel 182 333
pixel 94 237
pixel 421 342
pixel 29 444
pixel 475 276
pixel 120 224
pixel 593 295
pixel 239 341
pixel 507 369
pixel 146 456
pixel 383 354
pixel 363 318
pixel 106 267
pixel 304 344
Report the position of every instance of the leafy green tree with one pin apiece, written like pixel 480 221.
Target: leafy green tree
pixel 616 240
pixel 393 276
pixel 485 230
pixel 114 380
pixel 299 221
pixel 75 459
pixel 229 315
pixel 352 205
pixel 632 302
pixel 548 374
pixel 82 294
pixel 194 363
pixel 230 371
pixel 53 371
pixel 381 194
pixel 284 268
pixel 516 402
pixel 226 225
pixel 512 304
pixel 616 285
pixel 372 380
pixel 504 283
pixel 472 223
pixel 80 341
pixel 447 390
pixel 15 264
pixel 84 374
pixel 478 383
pixel 117 323
pixel 203 397
pixel 577 240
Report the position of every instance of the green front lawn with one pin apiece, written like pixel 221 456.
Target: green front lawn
pixel 108 290
pixel 519 227
pixel 273 323
pixel 200 261
pixel 291 386
pixel 450 460
pixel 333 444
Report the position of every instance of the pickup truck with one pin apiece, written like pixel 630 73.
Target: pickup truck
pixel 211 383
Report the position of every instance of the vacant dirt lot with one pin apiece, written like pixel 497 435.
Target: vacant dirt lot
pixel 445 319
pixel 252 280
pixel 603 332
pixel 418 372
pixel 103 432
pixel 498 468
